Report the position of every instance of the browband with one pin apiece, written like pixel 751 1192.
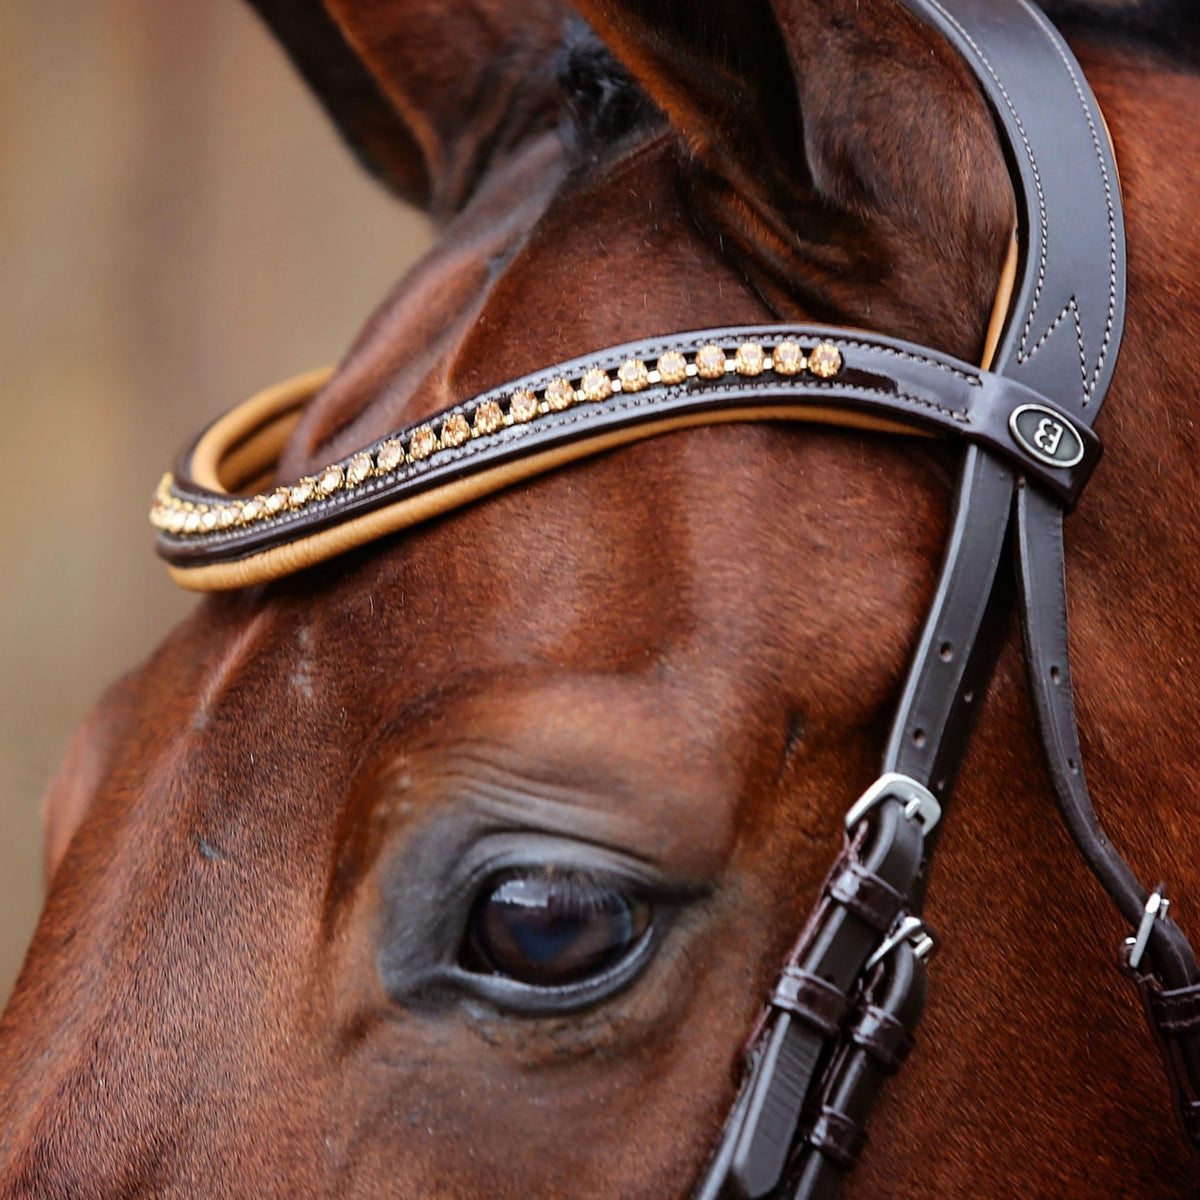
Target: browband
pixel 215 540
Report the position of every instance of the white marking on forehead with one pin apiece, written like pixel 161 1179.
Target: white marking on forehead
pixel 302 677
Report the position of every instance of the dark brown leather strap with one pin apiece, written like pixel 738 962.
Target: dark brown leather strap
pixel 838 1137
pixel 814 1000
pixel 884 1037
pixel 871 379
pixel 887 1012
pixel 1063 342
pixel 811 1003
pixel 953 662
pixel 1173 1016
pixel 868 896
pixel 1173 972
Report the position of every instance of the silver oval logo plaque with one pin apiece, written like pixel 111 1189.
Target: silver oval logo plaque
pixel 1046 435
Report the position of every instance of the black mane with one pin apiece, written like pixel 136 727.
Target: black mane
pixel 603 102
pixel 1170 28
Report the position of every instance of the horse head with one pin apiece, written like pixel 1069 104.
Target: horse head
pixel 459 865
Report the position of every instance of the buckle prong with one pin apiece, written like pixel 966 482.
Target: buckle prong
pixel 920 804
pixel 907 929
pixel 1155 910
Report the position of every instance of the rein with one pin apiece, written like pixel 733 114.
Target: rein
pixel 842 1015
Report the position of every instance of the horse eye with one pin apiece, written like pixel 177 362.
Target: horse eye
pixel 551 927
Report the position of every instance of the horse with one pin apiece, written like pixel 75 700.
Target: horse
pixel 277 954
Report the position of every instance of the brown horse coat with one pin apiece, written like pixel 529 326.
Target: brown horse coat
pixel 675 664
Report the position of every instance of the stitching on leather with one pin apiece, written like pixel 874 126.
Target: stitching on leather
pixel 1024 353
pixel 567 420
pixel 1037 175
pixel 1179 1025
pixel 654 346
pixel 908 356
pixel 1090 387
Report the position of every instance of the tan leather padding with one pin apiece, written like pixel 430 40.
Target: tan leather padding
pixel 1002 303
pixel 283 560
pixel 248 440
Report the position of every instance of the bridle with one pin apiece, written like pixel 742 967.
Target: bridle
pixel 841 1017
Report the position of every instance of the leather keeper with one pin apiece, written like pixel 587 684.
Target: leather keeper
pixel 1189 1114
pixel 812 999
pixel 882 1036
pixel 866 895
pixel 838 1137
pixel 1169 1030
pixel 1176 1011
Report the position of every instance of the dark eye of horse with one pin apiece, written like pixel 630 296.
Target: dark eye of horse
pixel 551 927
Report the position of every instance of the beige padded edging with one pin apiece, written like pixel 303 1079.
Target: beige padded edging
pixel 234 445
pixel 280 561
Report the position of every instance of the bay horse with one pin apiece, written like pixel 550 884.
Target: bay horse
pixel 274 957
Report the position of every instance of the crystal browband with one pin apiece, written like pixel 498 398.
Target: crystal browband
pixel 214 538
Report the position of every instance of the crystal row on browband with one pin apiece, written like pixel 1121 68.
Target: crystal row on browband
pixel 183 517
pixel 225 519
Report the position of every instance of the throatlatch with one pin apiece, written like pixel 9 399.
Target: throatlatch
pixel 841 1017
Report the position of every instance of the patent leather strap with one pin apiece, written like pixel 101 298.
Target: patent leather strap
pixel 574 409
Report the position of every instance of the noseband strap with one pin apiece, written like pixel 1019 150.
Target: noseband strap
pixel 848 999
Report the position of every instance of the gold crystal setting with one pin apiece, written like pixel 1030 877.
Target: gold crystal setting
pixel 361 467
pixel 523 406
pixel 330 480
pixel 750 359
pixel 455 431
pixel 181 518
pixel 788 358
pixel 559 395
pixel 596 385
pixel 825 361
pixel 672 367
pixel 710 362
pixel 633 375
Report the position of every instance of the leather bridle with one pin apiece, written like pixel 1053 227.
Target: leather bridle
pixel 841 1017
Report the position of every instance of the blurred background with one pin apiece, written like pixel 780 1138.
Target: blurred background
pixel 179 226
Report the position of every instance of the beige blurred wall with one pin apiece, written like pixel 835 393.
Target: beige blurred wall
pixel 178 227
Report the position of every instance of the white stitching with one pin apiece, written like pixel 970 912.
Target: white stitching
pixel 1024 353
pixel 1090 386
pixel 810 388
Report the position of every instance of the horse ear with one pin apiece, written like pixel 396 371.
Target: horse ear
pixel 840 147
pixel 427 94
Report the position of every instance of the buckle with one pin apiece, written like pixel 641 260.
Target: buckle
pixel 1155 910
pixel 907 929
pixel 919 802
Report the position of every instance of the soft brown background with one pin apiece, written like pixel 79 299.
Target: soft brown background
pixel 178 227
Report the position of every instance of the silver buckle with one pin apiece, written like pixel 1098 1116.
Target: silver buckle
pixel 919 802
pixel 1155 910
pixel 907 929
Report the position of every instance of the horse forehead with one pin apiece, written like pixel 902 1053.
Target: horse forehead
pixel 747 547
pixel 745 591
